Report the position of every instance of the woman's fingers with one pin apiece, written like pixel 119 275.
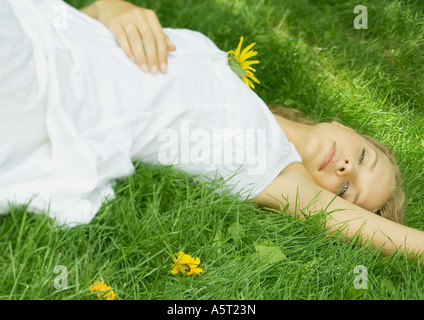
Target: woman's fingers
pixel 155 42
pixel 138 32
pixel 159 47
pixel 148 40
pixel 121 37
pixel 171 46
pixel 137 46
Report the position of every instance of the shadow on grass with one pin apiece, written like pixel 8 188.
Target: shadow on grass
pixel 390 51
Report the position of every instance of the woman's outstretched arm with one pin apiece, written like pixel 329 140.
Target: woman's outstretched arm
pixel 137 30
pixel 348 220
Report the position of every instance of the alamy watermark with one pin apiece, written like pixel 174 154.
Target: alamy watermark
pixel 361 21
pixel 61 281
pixel 361 281
pixel 218 146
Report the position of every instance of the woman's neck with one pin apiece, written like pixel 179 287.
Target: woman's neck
pixel 297 133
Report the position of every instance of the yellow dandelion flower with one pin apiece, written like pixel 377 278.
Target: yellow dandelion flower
pixel 185 264
pixel 105 292
pixel 239 63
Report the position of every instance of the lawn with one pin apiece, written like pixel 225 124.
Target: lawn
pixel 313 59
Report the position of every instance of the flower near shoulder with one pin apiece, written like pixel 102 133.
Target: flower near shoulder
pixel 105 292
pixel 185 264
pixel 239 63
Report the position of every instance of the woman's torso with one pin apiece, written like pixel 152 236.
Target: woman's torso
pixel 103 112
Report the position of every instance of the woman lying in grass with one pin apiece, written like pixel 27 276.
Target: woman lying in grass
pixel 78 111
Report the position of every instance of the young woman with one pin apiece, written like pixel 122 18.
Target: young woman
pixel 82 98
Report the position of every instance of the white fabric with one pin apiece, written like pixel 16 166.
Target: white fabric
pixel 75 112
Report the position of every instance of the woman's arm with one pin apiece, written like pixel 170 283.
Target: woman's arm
pixel 296 185
pixel 137 30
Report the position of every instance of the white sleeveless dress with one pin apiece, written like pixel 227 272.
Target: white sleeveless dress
pixel 75 113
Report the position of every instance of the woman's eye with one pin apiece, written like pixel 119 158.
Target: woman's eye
pixel 344 189
pixel 361 158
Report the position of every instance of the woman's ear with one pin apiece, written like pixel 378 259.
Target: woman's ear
pixel 341 125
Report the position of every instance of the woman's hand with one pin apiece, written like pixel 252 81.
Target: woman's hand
pixel 138 32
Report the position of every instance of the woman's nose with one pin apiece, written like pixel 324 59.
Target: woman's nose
pixel 344 167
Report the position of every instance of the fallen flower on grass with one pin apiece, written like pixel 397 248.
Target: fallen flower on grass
pixel 185 264
pixel 105 292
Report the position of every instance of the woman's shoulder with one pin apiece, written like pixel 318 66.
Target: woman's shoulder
pixel 296 171
pixel 293 183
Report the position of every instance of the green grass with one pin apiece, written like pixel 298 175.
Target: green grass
pixel 312 59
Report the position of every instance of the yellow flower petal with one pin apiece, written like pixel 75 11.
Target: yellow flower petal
pixel 248 82
pixel 248 55
pixel 195 271
pixel 249 62
pixel 245 52
pixel 250 75
pixel 237 53
pixel 246 65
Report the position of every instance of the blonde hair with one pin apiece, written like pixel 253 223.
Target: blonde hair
pixel 394 209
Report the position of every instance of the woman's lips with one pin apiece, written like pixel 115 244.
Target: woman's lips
pixel 329 159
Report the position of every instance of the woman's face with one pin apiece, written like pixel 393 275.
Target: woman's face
pixel 345 163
